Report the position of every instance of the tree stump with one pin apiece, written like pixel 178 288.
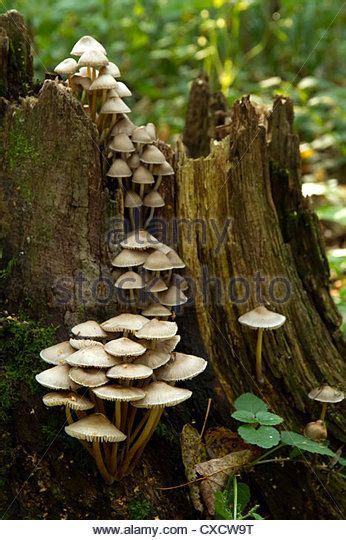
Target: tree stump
pixel 248 219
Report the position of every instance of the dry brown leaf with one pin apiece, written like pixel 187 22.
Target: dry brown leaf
pixel 227 465
pixel 193 452
pixel 220 441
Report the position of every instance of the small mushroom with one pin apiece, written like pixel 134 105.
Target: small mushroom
pixel 133 161
pixel 152 200
pixel 130 281
pixel 132 200
pixel 172 297
pixel 88 329
pixel 122 89
pixel 152 155
pixel 110 69
pixel 81 343
pixel 57 354
pixel 317 431
pixel 261 319
pixel 139 239
pixel 68 399
pixel 55 378
pixel 153 359
pixel 127 258
pixel 181 367
pixel 130 372
pixel 67 67
pixel 161 394
pixel 85 43
pixel 326 394
pixel 121 143
pixel 88 377
pixel 140 137
pixel 166 345
pixel 143 177
pixel 124 347
pixel 92 357
pixel 119 170
pixel 160 170
pixel 156 329
pixel 123 125
pixel 125 322
pixel 156 310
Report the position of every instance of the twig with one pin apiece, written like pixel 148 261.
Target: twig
pixel 206 417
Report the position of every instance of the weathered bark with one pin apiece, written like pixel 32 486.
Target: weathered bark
pixel 252 179
pixel 55 213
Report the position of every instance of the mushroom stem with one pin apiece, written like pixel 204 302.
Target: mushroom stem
pixel 323 412
pixel 100 464
pixel 150 217
pixel 93 104
pixel 141 191
pixel 138 428
pixel 118 414
pixel 259 356
pixel 132 218
pixel 93 73
pixel 113 459
pixel 139 450
pixel 158 182
pixel 148 429
pixel 69 418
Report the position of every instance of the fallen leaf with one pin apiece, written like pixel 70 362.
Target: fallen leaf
pixel 193 451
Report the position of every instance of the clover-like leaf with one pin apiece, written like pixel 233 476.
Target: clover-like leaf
pixel 264 436
pixel 267 418
pixel 244 416
pixel 251 403
pixel 299 441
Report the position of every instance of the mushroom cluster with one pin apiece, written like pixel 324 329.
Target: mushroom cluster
pixel 137 165
pixel 114 380
pixel 147 275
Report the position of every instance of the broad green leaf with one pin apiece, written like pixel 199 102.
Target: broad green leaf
pixel 299 441
pixel 264 436
pixel 244 416
pixel 251 403
pixel 256 516
pixel 268 419
pixel 243 496
pixel 222 509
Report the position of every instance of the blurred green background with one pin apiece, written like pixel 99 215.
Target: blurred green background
pixel 248 46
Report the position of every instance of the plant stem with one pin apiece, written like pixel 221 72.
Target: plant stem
pixel 150 217
pixel 235 497
pixel 323 412
pixel 259 356
pixel 271 451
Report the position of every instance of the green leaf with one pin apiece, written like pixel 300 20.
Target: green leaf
pixel 299 441
pixel 256 516
pixel 268 419
pixel 243 496
pixel 222 509
pixel 264 436
pixel 244 416
pixel 251 403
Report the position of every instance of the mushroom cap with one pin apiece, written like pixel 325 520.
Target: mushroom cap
pixel 129 281
pixel 141 136
pixel 95 427
pixel 121 143
pixel 114 105
pixel 126 321
pixel 92 357
pixel 175 260
pixel 179 281
pixel 261 317
pixel 139 239
pixel 80 80
pixel 151 129
pixel 70 399
pixel 114 392
pixel 85 43
pixel 83 343
pixel 167 345
pixel 124 347
pixel 130 371
pixel 156 329
pixel 93 58
pixel 132 200
pixel 142 175
pixel 119 169
pixel 163 248
pixel 182 367
pixel 151 154
pixel 129 257
pixel 326 394
pixel 123 125
pixel 57 354
pixel 103 82
pixel 157 262
pixel 123 90
pixel 155 285
pixel 317 431
pixel 55 378
pixel 161 394
pixel 153 359
pixel 88 329
pixel 89 377
pixel 163 169
pixel 172 297
pixel 156 310
pixel 133 161
pixel 153 200
pixel 66 67
pixel 111 69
